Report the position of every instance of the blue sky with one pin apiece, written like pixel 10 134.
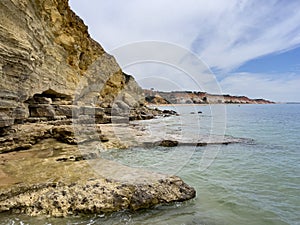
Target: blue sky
pixel 277 63
pixel 252 46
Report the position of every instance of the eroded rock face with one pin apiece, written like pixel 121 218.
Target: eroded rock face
pixel 47 58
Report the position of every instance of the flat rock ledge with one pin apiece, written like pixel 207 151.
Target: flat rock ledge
pixel 58 179
pixel 92 196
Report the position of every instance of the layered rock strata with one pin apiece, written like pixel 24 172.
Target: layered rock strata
pixel 48 61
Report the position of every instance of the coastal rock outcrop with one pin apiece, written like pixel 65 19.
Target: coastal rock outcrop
pixel 57 86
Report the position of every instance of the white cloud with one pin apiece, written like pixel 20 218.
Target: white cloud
pixel 255 29
pixel 280 88
pixel 171 63
pixel 225 34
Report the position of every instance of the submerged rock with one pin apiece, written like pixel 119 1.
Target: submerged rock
pixel 168 143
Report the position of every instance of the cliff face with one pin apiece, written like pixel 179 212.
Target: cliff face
pixel 46 51
pixel 189 97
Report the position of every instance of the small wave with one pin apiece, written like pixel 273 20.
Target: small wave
pixel 248 141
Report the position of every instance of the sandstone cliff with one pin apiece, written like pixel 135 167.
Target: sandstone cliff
pixel 58 88
pixel 46 52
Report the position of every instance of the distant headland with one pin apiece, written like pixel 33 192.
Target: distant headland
pixel 194 97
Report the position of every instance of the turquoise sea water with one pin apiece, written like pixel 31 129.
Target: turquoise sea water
pixel 256 181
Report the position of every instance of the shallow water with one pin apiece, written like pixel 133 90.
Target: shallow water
pixel 256 181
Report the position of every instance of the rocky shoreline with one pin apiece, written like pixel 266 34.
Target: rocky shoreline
pixel 61 159
pixel 46 170
pixel 58 180
pixel 52 166
pixel 59 91
pixel 63 100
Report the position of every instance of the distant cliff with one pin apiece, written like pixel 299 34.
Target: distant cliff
pixel 189 97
